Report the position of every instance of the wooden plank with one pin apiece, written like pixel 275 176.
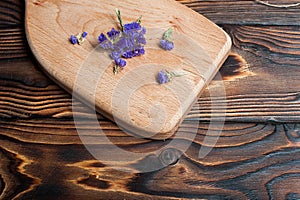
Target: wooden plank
pixel 33 102
pixel 250 161
pixel 11 13
pixel 13 43
pixel 265 76
pixel 246 12
pixel 277 44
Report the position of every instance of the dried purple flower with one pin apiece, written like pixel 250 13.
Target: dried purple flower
pixel 73 39
pixel 112 34
pixel 143 31
pixel 78 39
pixel 165 76
pixel 167 45
pixel 167 40
pixel 115 55
pixel 125 44
pixel 120 62
pixel 84 34
pixel 102 38
pixel 162 77
pixel 131 26
pixel 142 51
pixel 127 54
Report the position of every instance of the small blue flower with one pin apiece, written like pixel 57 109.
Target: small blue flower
pixel 115 55
pixel 127 54
pixel 162 77
pixel 141 39
pixel 167 41
pixel 167 45
pixel 84 34
pixel 73 39
pixel 142 51
pixel 143 31
pixel 132 26
pixel 136 52
pixel 165 76
pixel 112 34
pixel 102 38
pixel 120 62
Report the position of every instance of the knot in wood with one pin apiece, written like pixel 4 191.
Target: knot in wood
pixel 169 156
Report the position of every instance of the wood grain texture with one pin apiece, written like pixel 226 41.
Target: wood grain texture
pixel 246 12
pixel 11 13
pixel 249 12
pixel 42 157
pixel 235 169
pixel 254 77
pixel 13 43
pixel 149 108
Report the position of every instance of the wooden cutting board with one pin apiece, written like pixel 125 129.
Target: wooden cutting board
pixel 132 98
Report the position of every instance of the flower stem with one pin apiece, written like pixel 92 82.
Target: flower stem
pixel 171 75
pixel 118 12
pixel 168 34
pixel 139 20
pixel 116 69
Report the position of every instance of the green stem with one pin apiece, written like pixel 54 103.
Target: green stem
pixel 168 34
pixel 172 75
pixel 118 12
pixel 139 20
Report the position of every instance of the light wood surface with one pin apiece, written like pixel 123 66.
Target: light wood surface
pixel 133 98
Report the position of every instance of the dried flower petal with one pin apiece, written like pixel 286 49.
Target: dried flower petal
pixel 102 38
pixel 115 55
pixel 112 34
pixel 84 34
pixel 120 62
pixel 131 26
pixel 162 77
pixel 167 40
pixel 167 45
pixel 165 76
pixel 73 39
pixel 142 51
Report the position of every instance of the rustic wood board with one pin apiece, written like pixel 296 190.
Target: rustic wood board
pixel 132 98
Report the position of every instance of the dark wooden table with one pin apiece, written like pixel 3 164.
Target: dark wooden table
pixel 257 154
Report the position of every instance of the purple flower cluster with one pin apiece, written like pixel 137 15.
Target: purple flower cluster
pixel 84 34
pixel 162 77
pixel 73 39
pixel 165 76
pixel 113 33
pixel 126 44
pixel 166 42
pixel 78 38
pixel 131 26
